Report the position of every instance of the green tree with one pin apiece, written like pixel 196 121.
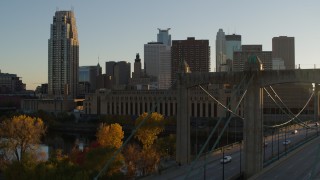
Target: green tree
pixel 21 134
pixel 110 135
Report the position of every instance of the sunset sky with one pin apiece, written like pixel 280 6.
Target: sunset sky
pixel 117 30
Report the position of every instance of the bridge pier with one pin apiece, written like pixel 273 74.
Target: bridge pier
pixel 253 130
pixel 183 152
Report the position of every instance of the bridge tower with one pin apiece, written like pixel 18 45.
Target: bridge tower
pixel 253 119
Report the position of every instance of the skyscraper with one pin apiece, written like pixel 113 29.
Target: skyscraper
pixel 164 36
pixel 220 50
pixel 157 58
pixel 233 43
pixel 283 47
pixel 196 53
pixel 63 56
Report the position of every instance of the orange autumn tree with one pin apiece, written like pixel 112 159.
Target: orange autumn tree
pixel 21 134
pixel 110 135
pixel 150 130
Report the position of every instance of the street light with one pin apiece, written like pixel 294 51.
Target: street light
pixel 222 163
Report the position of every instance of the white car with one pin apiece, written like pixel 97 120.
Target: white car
pixel 225 159
pixel 294 132
pixel 286 142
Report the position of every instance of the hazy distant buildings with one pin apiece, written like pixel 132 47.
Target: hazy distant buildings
pixel 196 53
pixel 63 56
pixel 233 43
pixel 164 36
pixel 283 47
pixel 241 57
pixel 118 73
pixel 10 84
pixel 87 78
pixel 157 59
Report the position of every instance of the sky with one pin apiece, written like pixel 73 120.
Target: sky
pixel 115 30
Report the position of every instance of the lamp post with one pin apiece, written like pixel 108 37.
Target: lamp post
pixel 240 156
pixel 222 163
pixel 278 145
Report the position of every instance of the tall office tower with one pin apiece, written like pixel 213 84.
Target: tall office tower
pixel 164 36
pixel 157 58
pixel 122 72
pixel 110 68
pixel 283 47
pixel 63 56
pixel 196 53
pixel 233 43
pixel 220 51
pixel 241 57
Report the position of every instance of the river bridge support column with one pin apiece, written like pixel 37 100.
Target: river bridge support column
pixel 253 130
pixel 183 127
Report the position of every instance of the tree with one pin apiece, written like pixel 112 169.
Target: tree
pixel 110 135
pixel 132 154
pixel 150 130
pixel 21 134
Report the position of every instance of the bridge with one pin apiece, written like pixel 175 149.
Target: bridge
pixel 255 81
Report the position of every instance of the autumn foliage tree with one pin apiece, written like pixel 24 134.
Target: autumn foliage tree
pixel 150 130
pixel 21 134
pixel 110 135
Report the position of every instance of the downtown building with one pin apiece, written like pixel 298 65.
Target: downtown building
pixel 88 79
pixel 283 48
pixel 11 84
pixel 157 60
pixel 241 57
pixel 63 56
pixel 196 53
pixel 226 45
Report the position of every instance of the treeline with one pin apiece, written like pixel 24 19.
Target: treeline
pixel 142 155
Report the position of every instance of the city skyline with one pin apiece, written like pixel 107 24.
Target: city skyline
pixel 117 31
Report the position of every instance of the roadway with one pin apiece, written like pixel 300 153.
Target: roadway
pixel 304 163
pixel 209 167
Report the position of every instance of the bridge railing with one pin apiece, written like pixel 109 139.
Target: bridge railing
pixel 307 66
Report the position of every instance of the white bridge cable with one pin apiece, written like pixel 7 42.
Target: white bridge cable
pixel 296 116
pixel 214 129
pixel 219 103
pixel 274 126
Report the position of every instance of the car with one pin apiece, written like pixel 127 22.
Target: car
pixel 286 142
pixel 225 159
pixel 316 124
pixel 294 132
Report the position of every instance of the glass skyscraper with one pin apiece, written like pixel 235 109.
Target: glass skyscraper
pixel 63 56
pixel 164 37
